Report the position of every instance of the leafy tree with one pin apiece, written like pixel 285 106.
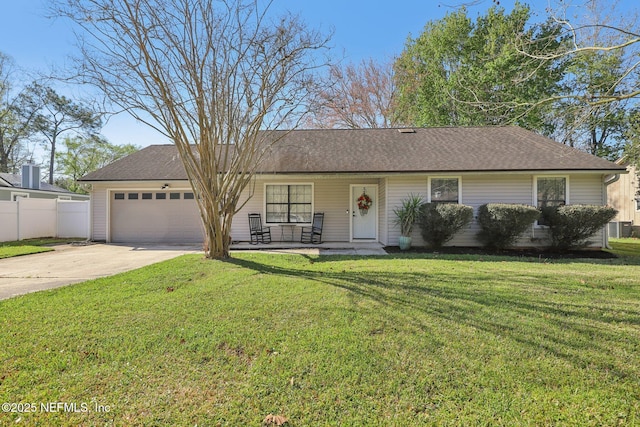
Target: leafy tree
pixel 459 72
pixel 597 129
pixel 59 115
pixel 214 77
pixel 17 115
pixel 596 46
pixel 84 154
pixel 357 96
pixel 592 75
pixel 587 29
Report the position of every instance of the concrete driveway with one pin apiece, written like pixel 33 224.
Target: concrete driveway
pixel 72 264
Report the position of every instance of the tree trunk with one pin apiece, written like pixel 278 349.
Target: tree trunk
pixel 217 225
pixel 218 241
pixel 4 162
pixel 52 159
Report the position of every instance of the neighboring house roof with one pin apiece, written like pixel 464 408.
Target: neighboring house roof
pixel 15 181
pixel 429 150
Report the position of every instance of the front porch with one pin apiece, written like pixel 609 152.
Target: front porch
pixel 324 248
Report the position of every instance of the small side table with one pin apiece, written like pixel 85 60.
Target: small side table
pixel 287 232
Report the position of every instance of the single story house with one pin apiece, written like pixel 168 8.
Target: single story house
pixel 145 197
pixel 624 195
pixel 28 185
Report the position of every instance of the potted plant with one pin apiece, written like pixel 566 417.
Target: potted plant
pixel 406 216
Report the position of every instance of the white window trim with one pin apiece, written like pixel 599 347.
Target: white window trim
pixel 458 177
pixel 264 202
pixel 534 196
pixel 16 194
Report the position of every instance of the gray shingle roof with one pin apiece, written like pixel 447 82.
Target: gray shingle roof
pixel 15 181
pixel 428 150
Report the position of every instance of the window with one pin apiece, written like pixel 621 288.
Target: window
pixel 289 203
pixel 147 196
pixel 132 196
pixel 174 196
pixel 550 191
pixel 188 196
pixel 444 190
pixel 118 196
pixel 161 196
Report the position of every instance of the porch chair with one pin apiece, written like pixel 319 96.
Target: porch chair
pixel 313 234
pixel 258 233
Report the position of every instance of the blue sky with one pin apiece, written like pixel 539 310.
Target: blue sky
pixel 362 29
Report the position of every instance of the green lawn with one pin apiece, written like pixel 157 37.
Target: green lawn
pixel 340 341
pixel 28 246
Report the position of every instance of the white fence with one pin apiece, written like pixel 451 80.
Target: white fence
pixel 34 218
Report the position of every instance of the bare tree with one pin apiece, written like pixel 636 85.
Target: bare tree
pixel 589 28
pixel 599 90
pixel 358 96
pixel 213 76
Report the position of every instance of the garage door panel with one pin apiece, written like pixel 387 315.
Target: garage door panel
pixel 155 220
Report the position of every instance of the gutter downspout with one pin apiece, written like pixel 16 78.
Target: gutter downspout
pixel 608 180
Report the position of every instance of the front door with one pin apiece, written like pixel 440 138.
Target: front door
pixel 364 212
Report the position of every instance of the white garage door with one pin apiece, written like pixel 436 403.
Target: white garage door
pixel 155 217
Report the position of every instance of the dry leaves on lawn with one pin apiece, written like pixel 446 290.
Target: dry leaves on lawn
pixel 277 420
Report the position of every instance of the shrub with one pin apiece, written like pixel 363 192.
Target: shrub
pixel 502 223
pixel 572 225
pixel 439 222
pixel 408 213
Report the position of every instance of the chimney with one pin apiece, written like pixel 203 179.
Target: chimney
pixel 31 176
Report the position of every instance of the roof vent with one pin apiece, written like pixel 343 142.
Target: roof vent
pixel 407 130
pixel 31 176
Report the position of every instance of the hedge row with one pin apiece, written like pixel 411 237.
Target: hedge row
pixel 571 226
pixel 439 222
pixel 502 224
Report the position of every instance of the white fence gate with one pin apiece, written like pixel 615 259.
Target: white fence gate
pixel 35 218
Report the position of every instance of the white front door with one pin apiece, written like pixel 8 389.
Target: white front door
pixel 364 222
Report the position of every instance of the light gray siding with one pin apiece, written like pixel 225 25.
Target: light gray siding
pixel 383 212
pixel 478 189
pixel 331 196
pixel 99 213
pixel 586 190
pixel 589 190
pixel 398 188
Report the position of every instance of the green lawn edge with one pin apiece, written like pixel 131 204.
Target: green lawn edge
pixel 29 246
pixel 13 251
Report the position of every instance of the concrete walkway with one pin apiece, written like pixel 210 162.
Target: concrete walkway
pixel 69 264
pixel 326 248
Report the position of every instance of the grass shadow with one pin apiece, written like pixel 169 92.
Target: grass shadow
pixel 539 316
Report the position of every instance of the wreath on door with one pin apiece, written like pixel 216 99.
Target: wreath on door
pixel 364 203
